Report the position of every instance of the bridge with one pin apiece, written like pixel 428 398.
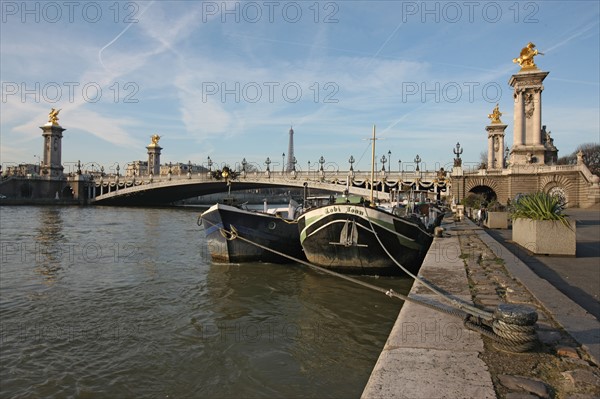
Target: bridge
pixel 529 165
pixel 165 189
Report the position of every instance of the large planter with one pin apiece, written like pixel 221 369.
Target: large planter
pixel 497 220
pixel 545 237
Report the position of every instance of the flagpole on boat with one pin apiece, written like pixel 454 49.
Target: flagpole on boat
pixel 373 167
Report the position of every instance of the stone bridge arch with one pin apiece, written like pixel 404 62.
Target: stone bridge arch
pixel 483 185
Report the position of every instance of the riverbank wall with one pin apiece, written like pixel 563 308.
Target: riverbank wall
pixel 430 354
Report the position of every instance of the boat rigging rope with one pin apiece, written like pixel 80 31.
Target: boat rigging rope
pixel 233 234
pixel 516 334
pixel 288 221
pixel 513 335
pixel 460 305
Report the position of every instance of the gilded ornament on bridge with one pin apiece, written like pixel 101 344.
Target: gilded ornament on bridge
pixel 495 115
pixel 525 59
pixel 53 116
pixel 155 138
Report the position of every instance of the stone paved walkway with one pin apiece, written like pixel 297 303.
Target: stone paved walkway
pixel 559 368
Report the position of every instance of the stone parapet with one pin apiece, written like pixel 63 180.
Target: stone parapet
pixel 430 354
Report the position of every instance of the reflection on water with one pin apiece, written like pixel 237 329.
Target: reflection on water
pixel 49 247
pixel 121 302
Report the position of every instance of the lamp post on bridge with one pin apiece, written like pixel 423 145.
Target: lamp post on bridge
pixel 283 163
pixel 383 160
pixel 268 162
pixel 209 163
pixel 417 161
pixel 294 162
pixel 390 160
pixel 244 163
pixel 321 170
pixel 39 164
pixel 400 171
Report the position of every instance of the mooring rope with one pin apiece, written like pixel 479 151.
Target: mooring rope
pixel 233 234
pixel 507 336
pixel 463 306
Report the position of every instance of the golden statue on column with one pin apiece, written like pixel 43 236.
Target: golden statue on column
pixel 495 116
pixel 525 59
pixel 154 138
pixel 53 116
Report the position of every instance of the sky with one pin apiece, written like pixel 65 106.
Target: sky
pixel 226 80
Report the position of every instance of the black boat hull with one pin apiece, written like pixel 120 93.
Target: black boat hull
pixel 340 237
pixel 267 230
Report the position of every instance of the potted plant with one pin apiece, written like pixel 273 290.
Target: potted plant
pixel 497 216
pixel 540 226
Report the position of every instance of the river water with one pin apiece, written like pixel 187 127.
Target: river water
pixel 124 302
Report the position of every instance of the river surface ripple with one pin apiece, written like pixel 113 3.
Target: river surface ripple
pixel 124 302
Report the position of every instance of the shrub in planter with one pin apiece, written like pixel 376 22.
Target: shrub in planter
pixel 540 226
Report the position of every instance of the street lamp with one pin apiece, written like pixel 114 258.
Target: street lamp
pixel 39 164
pixel 282 163
pixel 351 160
pixel 390 159
pixel 383 161
pixel 417 161
pixel 210 163
pixel 321 171
pixel 399 165
pixel 268 162
pixel 244 163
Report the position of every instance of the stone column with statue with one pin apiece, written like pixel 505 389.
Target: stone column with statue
pixel 527 84
pixel 51 167
pixel 154 156
pixel 495 140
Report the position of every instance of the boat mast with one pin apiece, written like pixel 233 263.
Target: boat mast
pixel 373 166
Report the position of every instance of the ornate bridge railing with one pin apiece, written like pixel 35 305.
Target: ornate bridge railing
pixel 112 187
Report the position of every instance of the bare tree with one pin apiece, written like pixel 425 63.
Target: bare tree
pixel 591 157
pixel 483 159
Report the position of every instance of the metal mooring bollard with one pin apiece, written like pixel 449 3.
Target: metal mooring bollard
pixel 515 325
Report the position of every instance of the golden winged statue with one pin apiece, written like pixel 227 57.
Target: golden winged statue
pixel 525 59
pixel 495 115
pixel 155 138
pixel 53 116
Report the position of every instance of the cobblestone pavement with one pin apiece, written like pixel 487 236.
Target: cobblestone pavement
pixel 557 368
pixel 578 278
